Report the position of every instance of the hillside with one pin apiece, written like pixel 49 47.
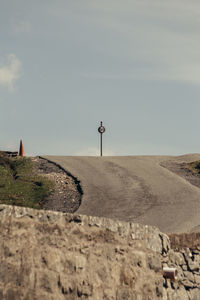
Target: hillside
pixel 155 190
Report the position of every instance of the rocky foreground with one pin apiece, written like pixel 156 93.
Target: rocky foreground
pixel 55 256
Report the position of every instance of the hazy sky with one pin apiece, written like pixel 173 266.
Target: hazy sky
pixel 65 65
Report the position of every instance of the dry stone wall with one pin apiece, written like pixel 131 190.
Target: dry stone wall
pixel 187 284
pixel 57 256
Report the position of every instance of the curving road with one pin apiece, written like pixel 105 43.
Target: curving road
pixel 136 188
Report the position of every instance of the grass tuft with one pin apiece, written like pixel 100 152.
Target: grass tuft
pixel 18 184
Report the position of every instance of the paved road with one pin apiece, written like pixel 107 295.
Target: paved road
pixel 136 188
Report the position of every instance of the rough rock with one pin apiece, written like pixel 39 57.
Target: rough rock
pixel 52 255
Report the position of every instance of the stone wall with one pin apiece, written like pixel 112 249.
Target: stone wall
pixel 187 285
pixel 51 255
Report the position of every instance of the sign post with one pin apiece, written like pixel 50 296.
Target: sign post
pixel 101 130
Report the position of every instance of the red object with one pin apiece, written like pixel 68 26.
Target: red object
pixel 21 149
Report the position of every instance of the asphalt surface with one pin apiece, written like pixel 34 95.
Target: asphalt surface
pixel 137 189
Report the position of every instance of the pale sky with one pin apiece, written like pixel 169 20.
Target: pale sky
pixel 66 65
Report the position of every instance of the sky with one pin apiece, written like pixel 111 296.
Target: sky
pixel 66 65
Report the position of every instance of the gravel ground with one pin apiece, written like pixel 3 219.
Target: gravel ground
pixel 67 194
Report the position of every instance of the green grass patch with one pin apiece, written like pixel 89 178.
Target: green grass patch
pixel 194 166
pixel 18 184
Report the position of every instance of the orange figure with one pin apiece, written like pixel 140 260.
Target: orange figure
pixel 21 149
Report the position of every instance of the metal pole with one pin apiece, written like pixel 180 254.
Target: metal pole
pixel 101 130
pixel 101 144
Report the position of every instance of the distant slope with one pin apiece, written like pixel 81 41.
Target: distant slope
pixel 136 188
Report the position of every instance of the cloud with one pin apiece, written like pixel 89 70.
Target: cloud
pixel 93 151
pixel 132 39
pixel 11 72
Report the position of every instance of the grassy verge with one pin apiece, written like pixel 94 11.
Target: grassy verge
pixel 18 184
pixel 194 166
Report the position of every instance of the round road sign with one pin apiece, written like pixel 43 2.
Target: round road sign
pixel 101 129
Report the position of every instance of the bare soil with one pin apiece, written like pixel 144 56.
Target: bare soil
pixel 67 193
